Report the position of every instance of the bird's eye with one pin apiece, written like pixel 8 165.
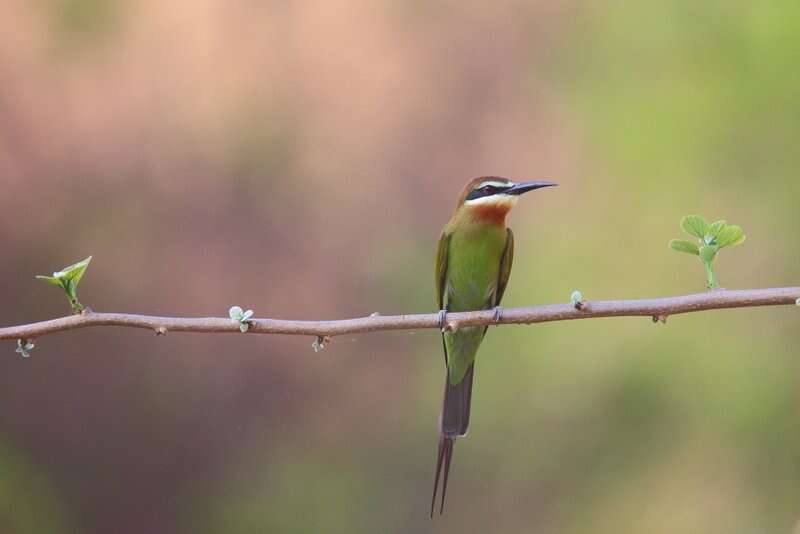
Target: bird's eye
pixel 487 188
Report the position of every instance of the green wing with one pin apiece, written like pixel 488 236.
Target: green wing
pixel 441 274
pixel 505 268
pixel 441 267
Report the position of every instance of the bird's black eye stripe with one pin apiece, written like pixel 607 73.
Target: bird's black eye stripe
pixel 484 191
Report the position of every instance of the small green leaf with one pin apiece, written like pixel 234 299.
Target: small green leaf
pixel 320 343
pixel 682 245
pixel 69 286
pixel 74 272
pixel 730 235
pixel 708 253
pixel 713 232
pixel 24 348
pixel 695 225
pixel 49 279
pixel 237 315
pixel 68 279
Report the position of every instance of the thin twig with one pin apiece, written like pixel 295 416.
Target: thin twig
pixel 660 308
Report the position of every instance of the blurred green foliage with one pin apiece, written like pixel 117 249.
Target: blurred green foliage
pixel 30 503
pixel 81 23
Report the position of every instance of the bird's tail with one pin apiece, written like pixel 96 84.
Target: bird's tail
pixel 453 424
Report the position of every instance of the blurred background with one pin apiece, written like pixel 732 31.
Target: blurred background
pixel 300 159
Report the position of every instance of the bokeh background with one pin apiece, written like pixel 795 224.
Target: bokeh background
pixel 300 159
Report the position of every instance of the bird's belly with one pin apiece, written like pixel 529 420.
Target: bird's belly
pixel 471 294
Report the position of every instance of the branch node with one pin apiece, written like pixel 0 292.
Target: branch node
pixel 375 314
pixel 660 318
pixel 451 326
pixel 161 331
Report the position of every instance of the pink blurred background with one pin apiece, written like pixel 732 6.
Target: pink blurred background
pixel 300 159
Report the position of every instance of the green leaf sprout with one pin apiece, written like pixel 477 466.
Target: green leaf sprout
pixel 24 347
pixel 695 225
pixel 237 315
pixel 684 246
pixel 710 239
pixel 67 279
pixel 320 343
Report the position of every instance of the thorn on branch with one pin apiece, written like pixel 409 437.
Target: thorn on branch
pixel 660 319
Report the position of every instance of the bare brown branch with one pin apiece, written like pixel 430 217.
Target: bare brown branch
pixel 660 308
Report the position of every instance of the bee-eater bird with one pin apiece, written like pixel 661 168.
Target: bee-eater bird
pixel 473 264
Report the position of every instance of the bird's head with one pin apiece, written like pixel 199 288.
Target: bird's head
pixel 492 197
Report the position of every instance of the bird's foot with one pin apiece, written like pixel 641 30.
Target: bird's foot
pixel 498 314
pixel 441 319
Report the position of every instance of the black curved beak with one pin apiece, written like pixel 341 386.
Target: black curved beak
pixel 524 187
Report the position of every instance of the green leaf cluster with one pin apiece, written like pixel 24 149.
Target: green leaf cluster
pixel 24 347
pixel 711 238
pixel 240 316
pixel 68 279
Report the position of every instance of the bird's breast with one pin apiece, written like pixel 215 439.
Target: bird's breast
pixel 473 267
